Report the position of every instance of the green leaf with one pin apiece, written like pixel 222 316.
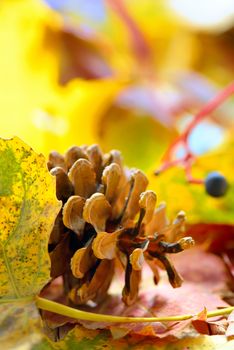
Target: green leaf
pixel 172 187
pixel 28 208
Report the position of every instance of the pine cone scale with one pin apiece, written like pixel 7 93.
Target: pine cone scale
pixel 110 214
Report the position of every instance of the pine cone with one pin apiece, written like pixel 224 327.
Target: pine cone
pixel 108 214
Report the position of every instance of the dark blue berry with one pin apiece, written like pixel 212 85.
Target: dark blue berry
pixel 216 185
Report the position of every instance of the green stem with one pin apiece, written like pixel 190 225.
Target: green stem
pixel 30 298
pixel 64 310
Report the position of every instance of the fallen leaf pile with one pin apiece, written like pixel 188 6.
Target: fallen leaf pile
pixel 202 287
pixel 29 212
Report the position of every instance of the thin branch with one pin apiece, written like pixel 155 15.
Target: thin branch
pixel 140 46
pixel 182 139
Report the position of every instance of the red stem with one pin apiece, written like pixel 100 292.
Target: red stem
pixel 209 108
pixel 188 159
pixel 139 43
pixel 189 176
pixel 204 112
pixel 168 165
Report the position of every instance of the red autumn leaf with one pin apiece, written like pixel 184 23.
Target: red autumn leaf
pixel 203 269
pixel 204 279
pixel 216 327
pixel 216 238
pixel 202 316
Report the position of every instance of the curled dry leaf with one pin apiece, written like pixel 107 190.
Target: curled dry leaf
pixel 97 210
pixel 83 178
pixel 72 214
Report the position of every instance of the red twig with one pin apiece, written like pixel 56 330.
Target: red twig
pixel 140 46
pixel 188 159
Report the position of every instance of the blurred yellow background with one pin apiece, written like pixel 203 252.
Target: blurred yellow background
pixel 125 74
